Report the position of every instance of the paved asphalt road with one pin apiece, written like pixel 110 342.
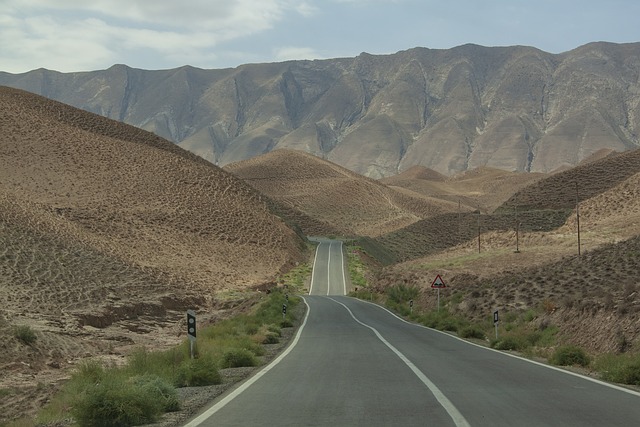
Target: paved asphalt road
pixel 355 364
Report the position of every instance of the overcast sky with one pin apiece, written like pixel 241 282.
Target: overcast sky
pixel 82 35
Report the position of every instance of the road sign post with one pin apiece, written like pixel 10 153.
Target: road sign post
pixel 411 306
pixel 284 311
pixel 496 320
pixel 191 330
pixel 438 284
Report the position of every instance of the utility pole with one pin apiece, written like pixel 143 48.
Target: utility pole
pixel 578 216
pixel 478 227
pixel 517 227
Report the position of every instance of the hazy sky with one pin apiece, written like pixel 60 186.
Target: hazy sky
pixel 81 35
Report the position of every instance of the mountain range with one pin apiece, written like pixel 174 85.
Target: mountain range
pixel 513 108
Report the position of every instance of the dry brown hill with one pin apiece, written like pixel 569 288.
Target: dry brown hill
pixel 108 233
pixel 484 188
pixel 593 298
pixel 558 191
pixel 330 198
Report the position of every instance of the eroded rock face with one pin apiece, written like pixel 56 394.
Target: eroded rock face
pixel 514 108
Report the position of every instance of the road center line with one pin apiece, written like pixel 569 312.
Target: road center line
pixel 453 412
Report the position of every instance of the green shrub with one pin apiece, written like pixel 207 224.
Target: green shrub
pixel 275 329
pixel 271 338
pixel 509 342
pixel 569 355
pixel 402 293
pixel 164 392
pixel 472 332
pixel 239 357
pixel 619 368
pixel 24 334
pixel 199 372
pixel 286 323
pixel 115 402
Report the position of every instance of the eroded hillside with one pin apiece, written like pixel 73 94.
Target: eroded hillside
pixel 514 108
pixel 108 234
pixel 347 203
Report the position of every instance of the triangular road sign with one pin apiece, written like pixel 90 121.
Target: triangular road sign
pixel 438 282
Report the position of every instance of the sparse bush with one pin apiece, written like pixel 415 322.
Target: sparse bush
pixel 510 342
pixel 24 334
pixel 161 389
pixel 114 402
pixel 199 372
pixel 624 369
pixel 402 293
pixel 286 323
pixel 529 316
pixel 569 355
pixel 239 357
pixel 271 338
pixel 472 332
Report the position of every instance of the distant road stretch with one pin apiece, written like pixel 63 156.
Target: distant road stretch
pixel 353 363
pixel 328 277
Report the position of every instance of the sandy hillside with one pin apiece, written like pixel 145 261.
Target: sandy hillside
pixel 108 234
pixel 484 188
pixel 593 297
pixel 350 203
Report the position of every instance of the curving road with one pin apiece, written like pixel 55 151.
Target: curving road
pixel 353 363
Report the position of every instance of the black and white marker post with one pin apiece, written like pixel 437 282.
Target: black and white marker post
pixel 191 330
pixel 284 311
pixel 496 320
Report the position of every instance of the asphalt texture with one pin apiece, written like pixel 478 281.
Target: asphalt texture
pixel 356 364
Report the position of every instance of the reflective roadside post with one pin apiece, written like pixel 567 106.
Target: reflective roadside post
pixel 496 320
pixel 191 330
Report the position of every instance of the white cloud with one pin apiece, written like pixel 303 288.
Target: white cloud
pixel 288 53
pixel 71 35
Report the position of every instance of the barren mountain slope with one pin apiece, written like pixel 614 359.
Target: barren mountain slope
pixel 326 192
pixel 593 298
pixel 107 234
pixel 559 190
pixel 544 205
pixel 513 108
pixel 486 188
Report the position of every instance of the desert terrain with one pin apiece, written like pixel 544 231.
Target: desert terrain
pixel 515 108
pixel 109 233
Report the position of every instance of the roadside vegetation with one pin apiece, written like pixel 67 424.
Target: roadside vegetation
pixel 145 387
pixel 528 333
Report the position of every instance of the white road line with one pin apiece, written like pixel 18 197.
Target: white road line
pixel 215 408
pixel 453 412
pixel 554 368
pixel 329 270
pixel 344 279
pixel 313 269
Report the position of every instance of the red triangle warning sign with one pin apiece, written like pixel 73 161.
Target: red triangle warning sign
pixel 438 282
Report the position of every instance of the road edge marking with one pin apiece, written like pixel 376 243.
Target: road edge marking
pixel 457 417
pixel 544 365
pixel 344 278
pixel 235 393
pixel 313 269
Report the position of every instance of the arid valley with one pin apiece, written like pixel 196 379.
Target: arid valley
pixel 109 233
